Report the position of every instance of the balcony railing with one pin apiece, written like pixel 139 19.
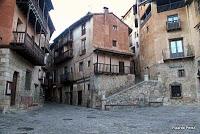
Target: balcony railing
pixel 187 54
pixel 66 78
pixel 170 6
pixel 64 56
pixel 26 47
pixel 173 25
pixel 35 8
pixel 63 43
pixel 100 68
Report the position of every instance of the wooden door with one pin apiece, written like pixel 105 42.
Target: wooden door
pixel 71 94
pixel 121 67
pixel 13 90
pixel 79 97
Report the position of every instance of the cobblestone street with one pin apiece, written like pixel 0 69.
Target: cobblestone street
pixel 64 119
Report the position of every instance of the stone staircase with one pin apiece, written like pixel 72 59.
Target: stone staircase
pixel 145 93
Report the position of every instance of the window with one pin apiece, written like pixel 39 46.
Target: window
pixel 181 73
pixel 137 44
pixel 147 29
pixel 80 66
pixel 71 70
pixel 28 80
pixel 83 29
pixel 114 43
pixel 173 18
pixel 65 70
pixel 88 87
pixel 89 63
pixel 176 91
pixel 199 6
pixel 83 49
pixel 136 23
pixel 114 28
pixel 133 49
pixel 83 42
pixel 176 48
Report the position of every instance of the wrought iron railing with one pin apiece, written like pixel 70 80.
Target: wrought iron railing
pixel 187 53
pixel 173 25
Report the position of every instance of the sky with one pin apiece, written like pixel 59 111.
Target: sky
pixel 66 12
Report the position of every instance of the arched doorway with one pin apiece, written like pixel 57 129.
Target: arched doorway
pixel 13 90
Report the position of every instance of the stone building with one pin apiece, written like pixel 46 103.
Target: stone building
pixel 25 31
pixel 92 59
pixel 131 18
pixel 169 47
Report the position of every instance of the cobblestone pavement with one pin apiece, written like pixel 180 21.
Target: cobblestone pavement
pixel 64 119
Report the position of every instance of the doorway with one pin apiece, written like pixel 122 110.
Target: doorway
pixel 71 95
pixel 13 89
pixel 121 67
pixel 79 97
pixel 60 90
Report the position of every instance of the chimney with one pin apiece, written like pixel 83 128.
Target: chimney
pixel 106 10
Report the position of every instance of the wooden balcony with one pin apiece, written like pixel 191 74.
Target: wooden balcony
pixel 37 12
pixel 66 78
pixel 173 25
pixel 25 46
pixel 100 68
pixel 187 54
pixel 61 57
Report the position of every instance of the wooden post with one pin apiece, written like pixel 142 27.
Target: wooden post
pixel 97 61
pixel 27 20
pixel 110 64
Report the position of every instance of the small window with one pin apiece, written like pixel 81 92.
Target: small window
pixel 133 49
pixel 83 42
pixel 28 80
pixel 172 18
pixel 88 87
pixel 181 73
pixel 83 29
pixel 80 66
pixel 114 43
pixel 147 29
pixel 65 70
pixel 89 63
pixel 136 23
pixel 176 91
pixel 114 28
pixel 137 44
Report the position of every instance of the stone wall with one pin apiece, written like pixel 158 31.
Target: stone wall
pixel 11 62
pixel 168 72
pixel 140 94
pixel 109 84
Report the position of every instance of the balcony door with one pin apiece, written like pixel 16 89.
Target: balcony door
pixel 176 48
